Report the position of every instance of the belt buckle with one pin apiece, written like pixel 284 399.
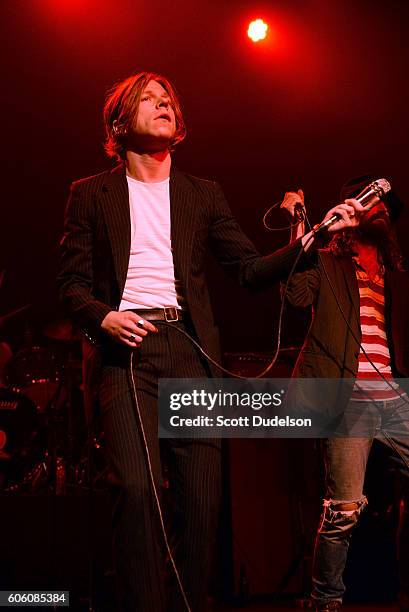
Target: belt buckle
pixel 171 314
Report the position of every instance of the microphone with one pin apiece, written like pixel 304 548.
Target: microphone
pixel 299 213
pixel 368 197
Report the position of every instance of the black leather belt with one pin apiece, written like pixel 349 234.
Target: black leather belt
pixel 169 314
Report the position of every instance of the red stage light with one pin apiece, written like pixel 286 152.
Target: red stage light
pixel 257 30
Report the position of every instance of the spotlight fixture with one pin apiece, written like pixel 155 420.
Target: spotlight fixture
pixel 257 30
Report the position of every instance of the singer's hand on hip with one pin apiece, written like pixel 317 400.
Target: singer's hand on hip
pixel 349 213
pixel 127 327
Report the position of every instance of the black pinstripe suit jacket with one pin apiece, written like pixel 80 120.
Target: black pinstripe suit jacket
pixel 96 245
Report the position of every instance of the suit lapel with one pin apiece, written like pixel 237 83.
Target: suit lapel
pixel 115 206
pixel 348 271
pixel 184 204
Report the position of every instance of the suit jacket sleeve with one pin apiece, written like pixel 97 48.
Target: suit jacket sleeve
pixel 238 255
pixel 303 287
pixel 75 277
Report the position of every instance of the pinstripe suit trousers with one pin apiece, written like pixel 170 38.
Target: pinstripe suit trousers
pixel 145 584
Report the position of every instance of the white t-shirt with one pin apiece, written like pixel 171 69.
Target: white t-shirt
pixel 150 282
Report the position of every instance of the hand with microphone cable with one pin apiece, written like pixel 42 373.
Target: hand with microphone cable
pixel 342 216
pixel 293 203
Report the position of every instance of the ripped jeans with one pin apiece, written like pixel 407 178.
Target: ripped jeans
pixel 345 464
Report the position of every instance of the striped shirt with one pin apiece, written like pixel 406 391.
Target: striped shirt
pixel 370 384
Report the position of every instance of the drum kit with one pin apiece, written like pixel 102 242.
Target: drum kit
pixel 44 443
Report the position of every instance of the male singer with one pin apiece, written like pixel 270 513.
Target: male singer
pixel 360 299
pixel 132 277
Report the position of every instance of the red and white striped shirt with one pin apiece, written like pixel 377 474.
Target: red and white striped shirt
pixel 370 384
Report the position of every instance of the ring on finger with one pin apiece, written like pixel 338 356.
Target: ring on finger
pixel 132 337
pixel 140 323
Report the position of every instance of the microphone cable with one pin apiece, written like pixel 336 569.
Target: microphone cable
pixel 153 483
pixel 303 249
pixel 280 321
pixel 221 368
pixel 286 227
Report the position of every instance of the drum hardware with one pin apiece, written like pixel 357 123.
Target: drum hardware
pixel 48 379
pixel 70 446
pixel 36 371
pixel 93 454
pixel 32 482
pixel 21 440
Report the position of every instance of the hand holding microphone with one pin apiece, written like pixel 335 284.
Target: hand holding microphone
pixel 341 216
pixel 345 215
pixel 348 213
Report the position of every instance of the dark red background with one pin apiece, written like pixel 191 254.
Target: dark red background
pixel 323 99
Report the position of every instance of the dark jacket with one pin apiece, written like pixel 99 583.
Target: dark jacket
pixel 331 349
pixel 96 245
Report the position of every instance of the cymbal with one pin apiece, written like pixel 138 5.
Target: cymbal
pixel 63 330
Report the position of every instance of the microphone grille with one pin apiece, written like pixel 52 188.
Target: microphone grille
pixel 384 185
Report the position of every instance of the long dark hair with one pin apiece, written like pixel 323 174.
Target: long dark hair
pixel 342 245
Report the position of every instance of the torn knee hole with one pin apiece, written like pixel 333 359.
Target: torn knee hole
pixel 345 506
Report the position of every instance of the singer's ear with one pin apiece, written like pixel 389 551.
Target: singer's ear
pixel 118 129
